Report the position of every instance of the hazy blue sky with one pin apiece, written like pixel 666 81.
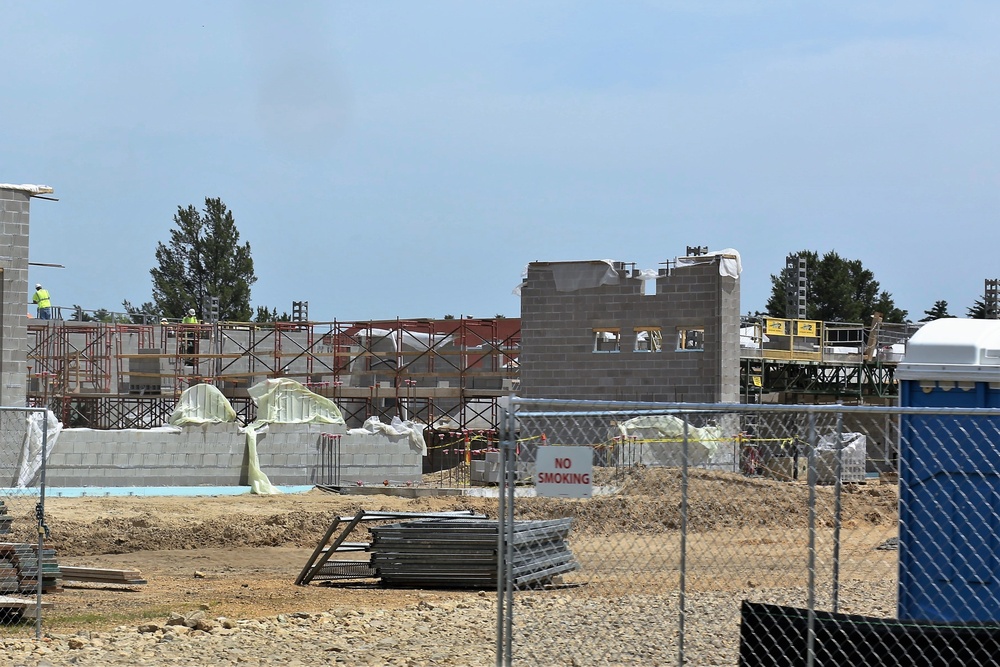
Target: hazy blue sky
pixel 408 159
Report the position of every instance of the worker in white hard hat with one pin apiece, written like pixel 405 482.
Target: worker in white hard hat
pixel 190 318
pixel 43 302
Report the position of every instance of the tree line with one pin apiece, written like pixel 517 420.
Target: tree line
pixel 843 290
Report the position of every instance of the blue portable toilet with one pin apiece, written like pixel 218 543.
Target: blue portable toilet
pixel 949 474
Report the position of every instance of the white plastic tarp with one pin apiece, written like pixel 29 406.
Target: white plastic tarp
pixel 413 431
pixel 573 276
pixel 730 264
pixel 202 404
pixel 283 401
pixel 851 443
pixel 663 435
pixel 31 451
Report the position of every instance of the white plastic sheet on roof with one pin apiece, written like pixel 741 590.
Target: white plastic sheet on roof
pixel 730 264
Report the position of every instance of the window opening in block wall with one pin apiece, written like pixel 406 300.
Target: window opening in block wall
pixel 607 340
pixel 648 339
pixel 690 339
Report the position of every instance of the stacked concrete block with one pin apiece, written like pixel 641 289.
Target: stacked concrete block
pixel 558 359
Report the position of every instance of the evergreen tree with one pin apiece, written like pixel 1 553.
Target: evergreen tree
pixel 143 314
pixel 265 315
pixel 838 290
pixel 938 311
pixel 204 258
pixel 978 310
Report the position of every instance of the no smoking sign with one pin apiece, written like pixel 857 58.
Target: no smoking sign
pixel 564 472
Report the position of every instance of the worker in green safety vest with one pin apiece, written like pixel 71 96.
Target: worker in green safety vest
pixel 44 303
pixel 190 337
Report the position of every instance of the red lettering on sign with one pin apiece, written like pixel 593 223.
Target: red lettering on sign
pixel 563 478
pixel 564 463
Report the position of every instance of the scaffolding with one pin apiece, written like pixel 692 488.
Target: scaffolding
pixel 69 358
pixel 452 374
pixel 104 375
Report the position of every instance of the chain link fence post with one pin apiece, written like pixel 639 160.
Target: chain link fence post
pixel 24 445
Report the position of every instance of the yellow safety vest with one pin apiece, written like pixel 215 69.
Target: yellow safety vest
pixel 189 320
pixel 41 298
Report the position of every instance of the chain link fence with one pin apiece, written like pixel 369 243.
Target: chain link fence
pixel 27 568
pixel 749 535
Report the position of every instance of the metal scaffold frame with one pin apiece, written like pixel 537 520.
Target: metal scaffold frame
pixel 129 375
pixel 69 358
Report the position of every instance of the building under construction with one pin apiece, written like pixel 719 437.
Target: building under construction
pixel 590 330
pixel 600 336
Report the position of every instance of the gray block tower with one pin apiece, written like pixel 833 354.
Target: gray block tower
pixel 589 330
pixel 15 206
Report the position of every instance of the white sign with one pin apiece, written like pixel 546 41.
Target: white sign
pixel 564 472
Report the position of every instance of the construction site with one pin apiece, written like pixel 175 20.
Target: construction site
pixel 592 329
pixel 456 373
pixel 161 428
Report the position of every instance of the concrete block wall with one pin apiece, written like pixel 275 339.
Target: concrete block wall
pixel 216 455
pixel 210 454
pixel 15 206
pixel 557 337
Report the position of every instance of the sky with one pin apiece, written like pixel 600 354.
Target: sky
pixel 409 159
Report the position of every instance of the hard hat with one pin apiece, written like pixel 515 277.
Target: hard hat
pixel 163 320
pixel 190 310
pixel 38 286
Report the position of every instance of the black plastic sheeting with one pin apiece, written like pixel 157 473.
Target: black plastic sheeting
pixel 775 636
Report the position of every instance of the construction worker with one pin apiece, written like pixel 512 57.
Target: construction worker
pixel 42 300
pixel 190 337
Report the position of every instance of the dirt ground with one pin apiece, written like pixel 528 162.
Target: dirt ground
pixel 238 556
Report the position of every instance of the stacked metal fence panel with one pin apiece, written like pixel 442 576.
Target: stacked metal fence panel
pixel 463 553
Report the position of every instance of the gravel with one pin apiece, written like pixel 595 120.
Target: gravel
pixel 550 628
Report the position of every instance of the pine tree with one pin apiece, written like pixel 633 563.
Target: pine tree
pixel 979 310
pixel 938 311
pixel 204 258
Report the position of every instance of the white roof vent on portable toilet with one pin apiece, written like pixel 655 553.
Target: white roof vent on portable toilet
pixel 953 348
